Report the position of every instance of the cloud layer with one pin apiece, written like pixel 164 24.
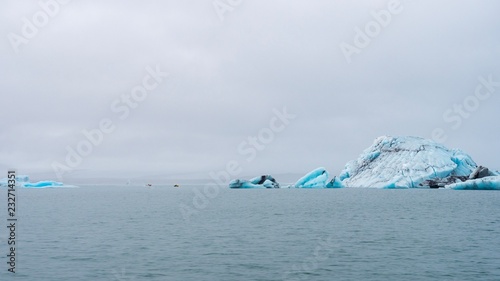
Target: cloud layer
pixel 227 76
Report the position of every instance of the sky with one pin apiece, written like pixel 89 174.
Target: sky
pixel 236 88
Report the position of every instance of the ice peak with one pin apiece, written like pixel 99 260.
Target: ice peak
pixel 405 162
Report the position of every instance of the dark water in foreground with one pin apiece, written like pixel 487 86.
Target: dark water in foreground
pixel 138 233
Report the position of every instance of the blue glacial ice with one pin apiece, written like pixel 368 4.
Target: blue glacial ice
pixel 24 181
pixel 406 162
pixel 486 183
pixel 335 183
pixel 317 178
pixel 43 184
pixel 396 162
pixel 265 181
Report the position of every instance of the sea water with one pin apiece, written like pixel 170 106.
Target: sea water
pixel 196 233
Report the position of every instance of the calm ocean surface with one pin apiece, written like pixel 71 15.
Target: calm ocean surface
pixel 138 233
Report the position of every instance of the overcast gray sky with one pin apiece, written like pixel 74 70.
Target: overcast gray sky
pixel 232 64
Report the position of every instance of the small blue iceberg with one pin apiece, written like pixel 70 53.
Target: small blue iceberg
pixel 265 181
pixel 24 181
pixel 318 178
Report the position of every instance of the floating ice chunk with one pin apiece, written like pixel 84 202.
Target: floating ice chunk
pixel 24 181
pixel 318 178
pixel 486 183
pixel 265 181
pixel 43 184
pixel 243 184
pixel 405 162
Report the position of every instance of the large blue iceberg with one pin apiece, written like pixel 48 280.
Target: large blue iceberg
pixel 405 162
pixel 24 181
